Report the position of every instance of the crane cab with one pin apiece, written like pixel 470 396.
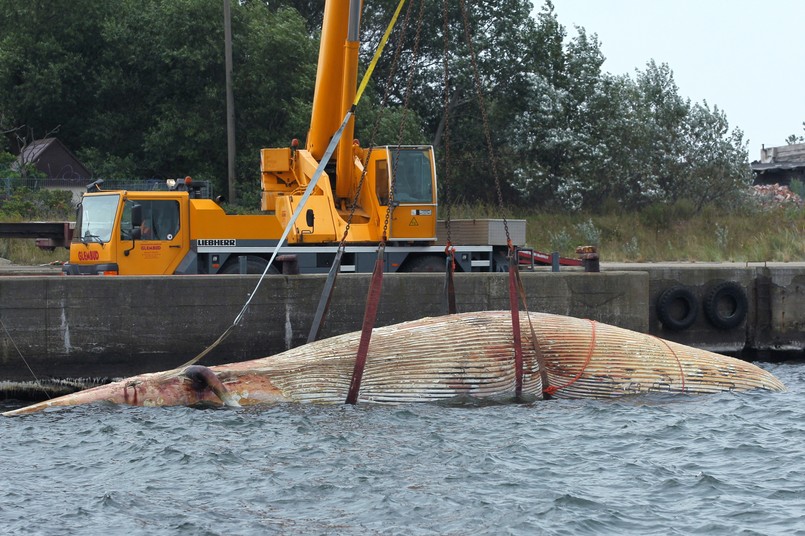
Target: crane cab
pixel 406 177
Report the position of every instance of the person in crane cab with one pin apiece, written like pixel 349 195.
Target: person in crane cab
pixel 146 230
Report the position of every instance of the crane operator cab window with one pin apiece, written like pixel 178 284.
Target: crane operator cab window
pixel 413 178
pixel 160 220
pixel 96 218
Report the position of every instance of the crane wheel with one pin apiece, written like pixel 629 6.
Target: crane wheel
pixel 424 263
pixel 254 265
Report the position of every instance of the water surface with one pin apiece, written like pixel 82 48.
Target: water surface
pixel 716 464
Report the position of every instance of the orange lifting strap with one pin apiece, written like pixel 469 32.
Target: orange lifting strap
pixel 678 362
pixel 553 389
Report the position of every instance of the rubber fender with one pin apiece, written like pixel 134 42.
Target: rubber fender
pixel 725 305
pixel 668 306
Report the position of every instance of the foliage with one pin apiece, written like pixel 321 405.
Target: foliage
pixel 42 204
pixel 745 234
pixel 589 232
pixel 137 89
pixel 798 187
pixel 12 168
pixel 25 252
pixel 560 241
pixel 794 138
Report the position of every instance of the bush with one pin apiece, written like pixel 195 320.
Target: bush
pixel 561 241
pixel 798 187
pixel 589 232
pixel 42 204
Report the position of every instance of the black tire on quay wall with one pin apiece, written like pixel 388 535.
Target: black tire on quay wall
pixel 726 305
pixel 668 304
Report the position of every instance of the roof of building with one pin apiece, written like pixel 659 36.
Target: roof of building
pixel 52 157
pixel 783 166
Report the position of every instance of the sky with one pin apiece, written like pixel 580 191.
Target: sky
pixel 746 57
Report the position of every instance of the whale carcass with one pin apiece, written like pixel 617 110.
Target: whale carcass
pixel 431 359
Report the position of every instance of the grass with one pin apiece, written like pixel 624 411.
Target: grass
pixel 25 252
pixel 666 233
pixel 24 204
pixel 658 233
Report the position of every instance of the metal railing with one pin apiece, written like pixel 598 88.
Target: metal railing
pixel 9 184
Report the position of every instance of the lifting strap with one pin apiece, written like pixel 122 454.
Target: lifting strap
pixel 543 367
pixel 328 153
pixel 309 190
pixel 326 297
pixel 369 317
pixel 376 284
pixel 518 343
pixel 380 47
pixel 449 286
pixel 329 284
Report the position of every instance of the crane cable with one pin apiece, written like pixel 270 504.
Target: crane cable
pixel 308 191
pixel 10 338
pixel 329 284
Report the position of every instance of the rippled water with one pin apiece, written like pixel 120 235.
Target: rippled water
pixel 720 464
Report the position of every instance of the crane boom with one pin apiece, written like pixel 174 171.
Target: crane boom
pixel 364 196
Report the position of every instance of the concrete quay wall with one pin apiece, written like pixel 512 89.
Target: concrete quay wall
pixel 82 327
pixel 774 327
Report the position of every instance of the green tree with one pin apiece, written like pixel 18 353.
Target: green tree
pixel 794 138
pixel 561 108
pixel 175 70
pixel 137 88
pixel 717 170
pixel 498 31
pixel 49 59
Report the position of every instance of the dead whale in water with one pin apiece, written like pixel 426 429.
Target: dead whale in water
pixel 431 359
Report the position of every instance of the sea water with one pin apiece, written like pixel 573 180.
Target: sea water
pixel 731 463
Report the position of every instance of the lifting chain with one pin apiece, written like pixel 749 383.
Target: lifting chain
pixel 449 250
pixel 446 41
pixel 514 277
pixel 329 285
pixel 485 119
pixel 375 286
pixel 408 86
pixel 376 126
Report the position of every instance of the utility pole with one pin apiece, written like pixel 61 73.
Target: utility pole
pixel 230 102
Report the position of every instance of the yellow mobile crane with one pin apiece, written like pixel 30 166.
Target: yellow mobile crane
pixel 178 231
